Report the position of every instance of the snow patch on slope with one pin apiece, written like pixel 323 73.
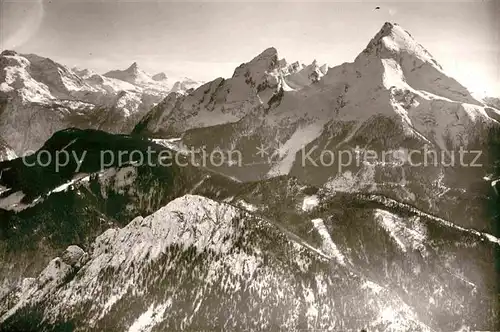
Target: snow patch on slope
pixel 6 152
pixel 287 152
pixel 328 246
pixel 150 318
pixel 310 202
pixel 247 206
pixel 408 234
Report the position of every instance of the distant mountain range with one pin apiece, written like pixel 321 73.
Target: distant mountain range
pixel 270 245
pixel 39 96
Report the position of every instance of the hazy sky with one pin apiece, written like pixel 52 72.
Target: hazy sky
pixel 205 40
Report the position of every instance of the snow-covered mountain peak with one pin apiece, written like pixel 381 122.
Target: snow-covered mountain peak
pixel 492 102
pixel 160 77
pixel 132 74
pixel 184 85
pixel 84 73
pixel 389 30
pixel 266 61
pixel 396 57
pixel 134 67
pixel 393 39
pixel 268 53
pixel 269 57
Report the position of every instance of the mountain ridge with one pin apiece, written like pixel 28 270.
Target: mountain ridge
pixel 146 240
pixel 39 96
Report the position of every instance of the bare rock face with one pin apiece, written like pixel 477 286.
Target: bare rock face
pixel 73 256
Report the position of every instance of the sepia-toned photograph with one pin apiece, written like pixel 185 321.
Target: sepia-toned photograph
pixel 208 166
